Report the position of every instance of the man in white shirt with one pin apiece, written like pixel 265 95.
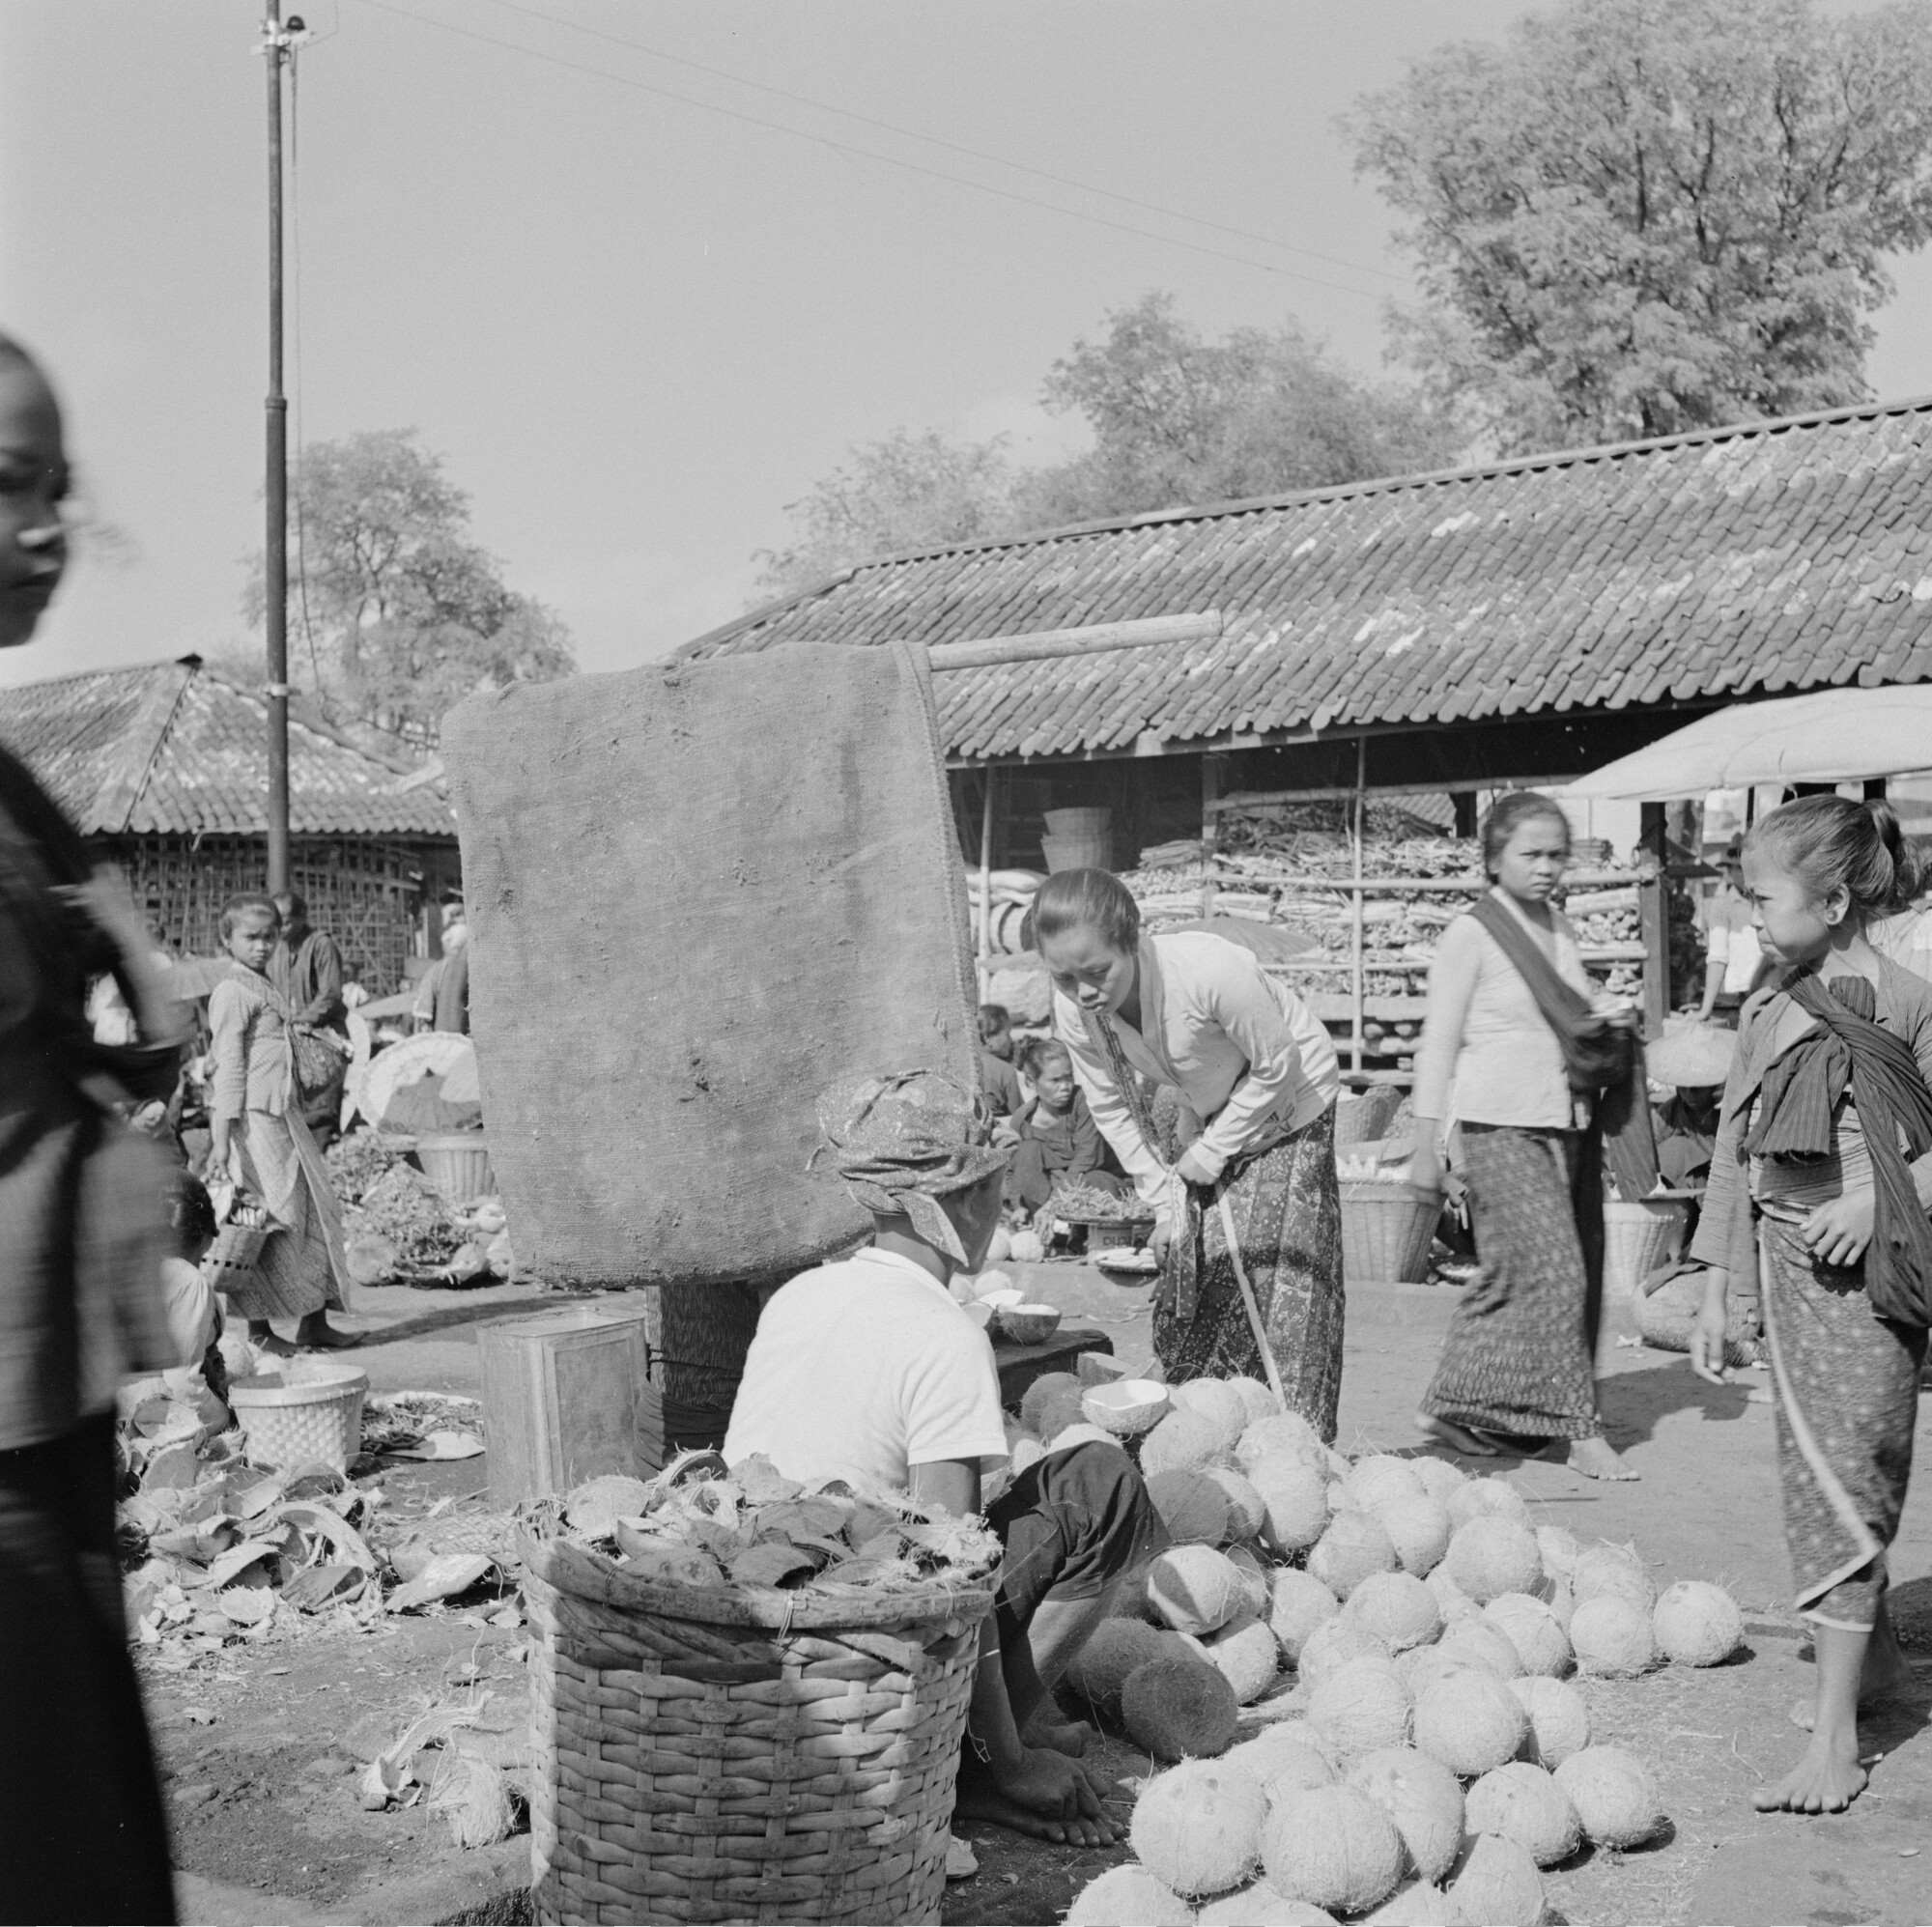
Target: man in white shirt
pixel 867 1371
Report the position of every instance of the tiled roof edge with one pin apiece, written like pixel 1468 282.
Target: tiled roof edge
pixel 114 803
pixel 765 611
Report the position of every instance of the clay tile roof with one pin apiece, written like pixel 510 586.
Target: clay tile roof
pixel 1770 557
pixel 180 749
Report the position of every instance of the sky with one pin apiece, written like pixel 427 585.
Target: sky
pixel 638 306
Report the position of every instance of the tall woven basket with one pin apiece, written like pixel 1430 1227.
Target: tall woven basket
pixel 1638 1235
pixel 1386 1230
pixel 744 1753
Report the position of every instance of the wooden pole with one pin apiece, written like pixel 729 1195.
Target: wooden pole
pixel 1041 644
pixel 1357 1042
pixel 1654 919
pixel 1210 826
pixel 275 483
pixel 987 883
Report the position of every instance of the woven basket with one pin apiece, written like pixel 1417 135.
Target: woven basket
pixel 744 1753
pixel 1638 1235
pixel 1386 1230
pixel 232 1258
pixel 1365 1117
pixel 458 1164
pixel 316 1419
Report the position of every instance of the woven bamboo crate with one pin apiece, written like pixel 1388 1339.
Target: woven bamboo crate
pixel 742 1754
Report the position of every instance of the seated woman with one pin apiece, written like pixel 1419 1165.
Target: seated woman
pixel 1058 1140
pixel 867 1371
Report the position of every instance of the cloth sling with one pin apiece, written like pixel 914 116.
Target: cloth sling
pixel 1604 1064
pixel 1800 1093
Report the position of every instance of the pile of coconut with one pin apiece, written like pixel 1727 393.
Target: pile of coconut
pixel 1401 1636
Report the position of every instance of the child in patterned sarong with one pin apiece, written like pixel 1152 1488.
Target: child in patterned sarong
pixel 1822 1180
pixel 261 1143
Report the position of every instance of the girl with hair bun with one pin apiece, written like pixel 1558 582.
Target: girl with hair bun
pixel 1256 1079
pixel 1821 1183
pixel 1512 1019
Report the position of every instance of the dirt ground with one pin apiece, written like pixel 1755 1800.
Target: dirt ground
pixel 262 1747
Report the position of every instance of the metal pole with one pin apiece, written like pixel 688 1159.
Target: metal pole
pixel 1358 1043
pixel 275 484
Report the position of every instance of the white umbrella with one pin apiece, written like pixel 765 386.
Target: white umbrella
pixel 1839 735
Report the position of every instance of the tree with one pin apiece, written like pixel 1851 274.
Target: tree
pixel 1175 420
pixel 907 491
pixel 395 614
pixel 1640 216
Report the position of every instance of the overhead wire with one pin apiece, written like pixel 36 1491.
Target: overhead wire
pixel 937 140
pixel 864 152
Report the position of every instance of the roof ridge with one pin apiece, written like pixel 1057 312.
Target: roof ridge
pixel 1511 465
pixel 128 773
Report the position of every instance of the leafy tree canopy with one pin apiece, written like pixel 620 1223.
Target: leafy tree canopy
pixel 1640 216
pixel 395 614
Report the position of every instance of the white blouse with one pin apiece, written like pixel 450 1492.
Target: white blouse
pixel 1245 1052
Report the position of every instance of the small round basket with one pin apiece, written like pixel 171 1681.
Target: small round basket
pixel 1126 1407
pixel 741 1754
pixel 1028 1324
pixel 457 1163
pixel 1386 1231
pixel 316 1419
pixel 1113 1233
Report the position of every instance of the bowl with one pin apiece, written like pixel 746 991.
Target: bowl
pixel 1000 1300
pixel 1029 1325
pixel 1126 1407
pixel 980 1312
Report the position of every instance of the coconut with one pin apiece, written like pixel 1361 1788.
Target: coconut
pixel 1297 1605
pixel 1562 1603
pixel 1360 1708
pixel 1398 1608
pixel 1294 1502
pixel 1521 1802
pixel 1254 1592
pixel 1418 1528
pixel 1261 1905
pixel 1531 1627
pixel 1332 1846
pixel 1559 1722
pixel 1194 1588
pixel 1113 1650
pixel 1449 1596
pixel 1247 1513
pixel 1284 1433
pixel 1416 1905
pixel 1470 1720
pixel 1559 1548
pixel 1281 1761
pixel 1183 1442
pixel 1257 1401
pixel 1198 1826
pixel 1612 1637
pixel 1487 1498
pixel 1128 1894
pixel 1026 1452
pixel 1333 1645
pixel 1421 1796
pixel 1438 1477
pixel 1037 1397
pixel 1218 1402
pixel 1421 1664
pixel 1082 1433
pixel 1496 1882
pixel 1374 1481
pixel 1477 1643
pixel 1615 1796
pixel 1338 1501
pixel 1192 1507
pixel 1697 1623
pixel 1491 1556
pixel 1126 1407
pixel 1026 1247
pixel 1245 1654
pixel 1352 1547
pixel 1603 1571
pixel 1179 1707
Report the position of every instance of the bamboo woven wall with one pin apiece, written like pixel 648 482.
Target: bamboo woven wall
pixel 368 895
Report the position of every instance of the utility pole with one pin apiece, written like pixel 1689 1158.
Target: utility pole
pixel 275 568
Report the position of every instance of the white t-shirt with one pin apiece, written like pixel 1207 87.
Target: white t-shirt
pixel 863 1369
pixel 1736 946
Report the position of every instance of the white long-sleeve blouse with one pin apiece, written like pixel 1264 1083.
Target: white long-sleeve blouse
pixel 1245 1052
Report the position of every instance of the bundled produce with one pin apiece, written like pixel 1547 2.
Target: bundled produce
pixel 1080 1202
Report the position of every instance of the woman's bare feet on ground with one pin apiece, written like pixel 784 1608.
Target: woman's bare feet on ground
pixel 264 1337
pixel 316 1334
pixel 1825 1780
pixel 1072 1739
pixel 1887 1675
pixel 978 1798
pixel 1595 1459
pixel 1454 1436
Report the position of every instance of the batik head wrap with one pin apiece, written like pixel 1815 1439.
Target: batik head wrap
pixel 902 1141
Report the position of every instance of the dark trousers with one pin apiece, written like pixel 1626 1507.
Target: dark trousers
pixel 83 1832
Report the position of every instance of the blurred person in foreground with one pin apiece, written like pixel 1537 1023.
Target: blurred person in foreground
pixel 83 1836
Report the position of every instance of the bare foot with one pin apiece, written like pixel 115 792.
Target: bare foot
pixel 1825 1780
pixel 1072 1740
pixel 316 1334
pixel 273 1344
pixel 1595 1459
pixel 977 1798
pixel 1454 1436
pixel 1886 1676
